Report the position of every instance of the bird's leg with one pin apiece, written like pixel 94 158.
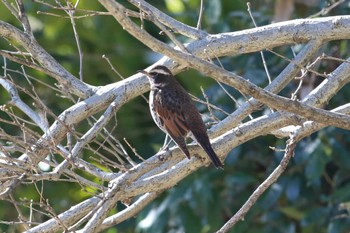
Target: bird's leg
pixel 166 143
pixel 164 148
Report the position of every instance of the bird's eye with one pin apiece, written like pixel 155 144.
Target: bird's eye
pixel 153 73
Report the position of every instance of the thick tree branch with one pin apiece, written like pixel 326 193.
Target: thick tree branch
pixel 231 79
pixel 168 21
pixel 129 212
pixel 104 94
pixel 281 81
pixel 167 169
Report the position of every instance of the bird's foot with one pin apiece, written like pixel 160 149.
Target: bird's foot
pixel 164 153
pixel 166 144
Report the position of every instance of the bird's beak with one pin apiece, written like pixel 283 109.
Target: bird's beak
pixel 143 72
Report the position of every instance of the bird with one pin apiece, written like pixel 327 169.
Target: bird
pixel 174 112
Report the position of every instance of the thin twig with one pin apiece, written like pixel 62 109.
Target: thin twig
pixel 174 25
pixel 195 98
pixel 77 40
pixel 326 10
pixel 120 76
pixel 289 152
pixel 134 151
pixel 208 105
pixel 24 19
pixel 261 52
pixel 200 17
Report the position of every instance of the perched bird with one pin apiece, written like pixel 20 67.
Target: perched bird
pixel 174 112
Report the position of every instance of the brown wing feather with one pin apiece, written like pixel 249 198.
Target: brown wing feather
pixel 174 124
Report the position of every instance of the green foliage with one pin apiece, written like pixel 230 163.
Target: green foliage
pixel 308 196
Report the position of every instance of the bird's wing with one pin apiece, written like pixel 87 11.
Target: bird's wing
pixel 172 120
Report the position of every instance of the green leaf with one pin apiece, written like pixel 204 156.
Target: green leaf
pixel 175 6
pixel 213 11
pixel 293 189
pixel 342 194
pixel 293 212
pixel 189 219
pixel 317 161
pixel 339 225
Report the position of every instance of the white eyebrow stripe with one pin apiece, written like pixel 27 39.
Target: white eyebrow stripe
pixel 160 71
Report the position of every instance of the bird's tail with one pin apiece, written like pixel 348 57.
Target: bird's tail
pixel 180 141
pixel 212 155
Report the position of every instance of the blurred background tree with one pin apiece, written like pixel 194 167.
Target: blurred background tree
pixel 312 195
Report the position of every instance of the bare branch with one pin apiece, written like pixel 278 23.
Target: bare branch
pixel 58 153
pixel 68 81
pixel 200 16
pixel 289 152
pixel 287 75
pixel 173 24
pixel 227 77
pixel 129 212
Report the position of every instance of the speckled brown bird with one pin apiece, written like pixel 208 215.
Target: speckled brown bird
pixel 174 112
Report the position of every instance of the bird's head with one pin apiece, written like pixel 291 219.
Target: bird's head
pixel 158 75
